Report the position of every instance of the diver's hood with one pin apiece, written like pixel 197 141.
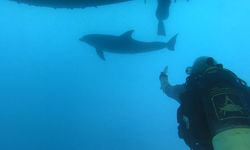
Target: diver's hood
pixel 201 64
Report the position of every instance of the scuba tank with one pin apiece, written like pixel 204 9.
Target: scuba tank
pixel 226 104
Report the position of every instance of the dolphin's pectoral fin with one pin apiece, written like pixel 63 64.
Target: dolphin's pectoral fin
pixel 100 54
pixel 127 34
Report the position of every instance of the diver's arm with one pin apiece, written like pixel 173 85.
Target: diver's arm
pixel 171 91
pixel 174 91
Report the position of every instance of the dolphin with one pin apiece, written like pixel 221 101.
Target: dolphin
pixel 124 44
pixel 70 3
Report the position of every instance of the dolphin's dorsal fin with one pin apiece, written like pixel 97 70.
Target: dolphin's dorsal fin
pixel 128 34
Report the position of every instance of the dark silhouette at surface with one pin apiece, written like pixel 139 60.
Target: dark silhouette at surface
pixel 175 1
pixel 162 13
pixel 124 44
pixel 70 3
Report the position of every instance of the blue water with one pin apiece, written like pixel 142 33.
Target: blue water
pixel 56 94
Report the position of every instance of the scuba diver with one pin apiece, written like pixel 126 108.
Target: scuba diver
pixel 214 112
pixel 162 13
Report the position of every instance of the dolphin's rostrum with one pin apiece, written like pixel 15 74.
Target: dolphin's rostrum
pixel 124 44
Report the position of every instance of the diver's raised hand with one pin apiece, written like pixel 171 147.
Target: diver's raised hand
pixel 164 78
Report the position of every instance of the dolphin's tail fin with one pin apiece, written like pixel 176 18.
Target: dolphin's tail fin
pixel 161 28
pixel 171 43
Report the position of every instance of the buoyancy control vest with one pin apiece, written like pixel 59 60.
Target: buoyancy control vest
pixel 213 101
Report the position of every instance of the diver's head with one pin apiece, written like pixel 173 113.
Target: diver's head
pixel 201 64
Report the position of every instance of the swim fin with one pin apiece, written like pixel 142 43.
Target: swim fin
pixel 161 28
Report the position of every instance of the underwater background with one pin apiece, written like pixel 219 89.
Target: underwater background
pixel 57 94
